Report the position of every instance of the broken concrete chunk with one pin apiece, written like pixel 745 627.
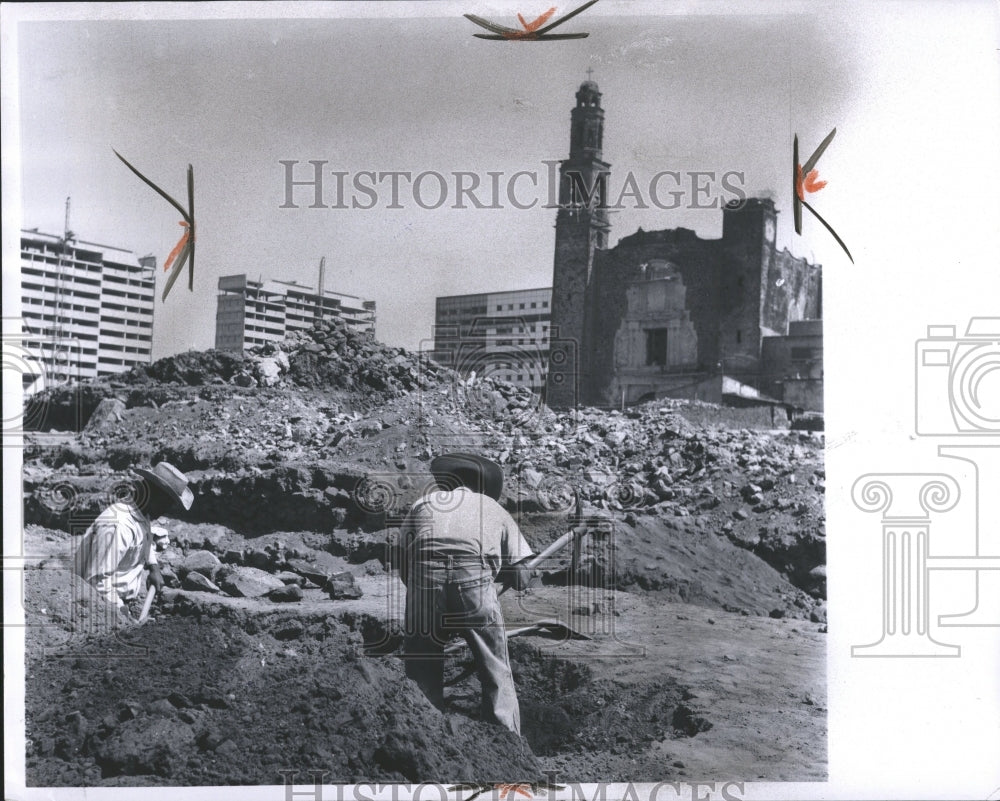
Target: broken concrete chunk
pixel 107 414
pixel 199 583
pixel 342 586
pixel 204 562
pixel 309 570
pixel 249 582
pixel 286 594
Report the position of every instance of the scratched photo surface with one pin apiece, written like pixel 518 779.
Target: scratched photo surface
pixel 692 288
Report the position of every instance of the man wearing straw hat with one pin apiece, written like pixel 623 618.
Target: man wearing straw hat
pixel 120 546
pixel 454 542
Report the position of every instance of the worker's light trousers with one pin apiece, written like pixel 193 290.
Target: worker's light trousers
pixel 444 599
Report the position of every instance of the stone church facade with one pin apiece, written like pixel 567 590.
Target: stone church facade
pixel 663 313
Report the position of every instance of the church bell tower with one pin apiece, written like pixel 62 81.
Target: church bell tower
pixel 581 227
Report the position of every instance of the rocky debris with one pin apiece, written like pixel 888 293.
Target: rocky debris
pixel 107 415
pixel 342 586
pixel 204 562
pixel 146 745
pixel 248 582
pixel 287 593
pixel 194 580
pixel 336 432
pixel 308 571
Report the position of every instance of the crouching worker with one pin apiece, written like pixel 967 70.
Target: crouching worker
pixel 454 543
pixel 120 546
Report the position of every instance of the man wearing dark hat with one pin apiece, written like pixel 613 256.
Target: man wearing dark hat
pixel 454 542
pixel 120 545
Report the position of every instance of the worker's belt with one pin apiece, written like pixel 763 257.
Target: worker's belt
pixel 450 562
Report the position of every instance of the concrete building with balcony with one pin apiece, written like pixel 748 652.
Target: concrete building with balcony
pixel 87 308
pixel 503 335
pixel 252 313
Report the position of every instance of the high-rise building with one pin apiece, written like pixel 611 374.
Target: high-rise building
pixel 251 313
pixel 504 335
pixel 87 309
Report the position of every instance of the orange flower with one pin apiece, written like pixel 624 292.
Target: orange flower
pixel 178 247
pixel 810 184
pixel 506 789
pixel 533 26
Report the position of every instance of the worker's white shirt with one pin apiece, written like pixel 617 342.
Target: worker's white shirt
pixel 464 525
pixel 114 552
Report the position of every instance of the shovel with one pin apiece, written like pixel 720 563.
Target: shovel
pixel 558 545
pixel 556 627
pixel 150 596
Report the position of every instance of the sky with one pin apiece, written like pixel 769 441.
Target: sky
pixel 234 98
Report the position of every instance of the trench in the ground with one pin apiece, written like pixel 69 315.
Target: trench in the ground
pixel 229 694
pixel 565 707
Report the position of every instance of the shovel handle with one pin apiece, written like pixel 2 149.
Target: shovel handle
pixel 558 545
pixel 150 596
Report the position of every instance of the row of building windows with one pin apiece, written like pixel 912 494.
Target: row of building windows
pixel 122 348
pixel 65 320
pixel 64 276
pixel 510 306
pixel 124 279
pixel 63 298
pixel 30 301
pixel 129 295
pixel 65 262
pixel 125 321
pixel 521 341
pixel 520 329
pixel 122 335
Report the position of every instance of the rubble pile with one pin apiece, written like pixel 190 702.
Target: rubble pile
pixel 330 431
pixel 271 572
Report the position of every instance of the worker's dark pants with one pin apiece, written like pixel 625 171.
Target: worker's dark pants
pixel 442 601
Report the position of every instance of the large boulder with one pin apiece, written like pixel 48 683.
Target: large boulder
pixel 204 562
pixel 197 582
pixel 248 582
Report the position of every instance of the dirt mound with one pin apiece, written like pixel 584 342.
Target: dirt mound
pixel 236 699
pixel 566 710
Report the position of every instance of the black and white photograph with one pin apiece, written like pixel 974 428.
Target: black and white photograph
pixel 481 401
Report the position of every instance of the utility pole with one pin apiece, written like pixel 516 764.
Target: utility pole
pixel 319 287
pixel 57 328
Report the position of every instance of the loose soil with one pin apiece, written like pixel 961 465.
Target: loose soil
pixel 219 690
pixel 701 584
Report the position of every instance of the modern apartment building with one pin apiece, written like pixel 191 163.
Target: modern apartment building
pixel 500 334
pixel 87 308
pixel 251 313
